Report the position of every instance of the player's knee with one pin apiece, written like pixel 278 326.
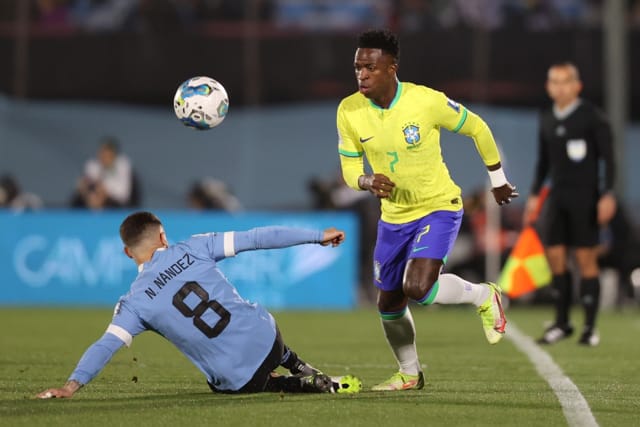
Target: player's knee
pixel 391 302
pixel 557 259
pixel 558 266
pixel 588 264
pixel 589 272
pixel 417 287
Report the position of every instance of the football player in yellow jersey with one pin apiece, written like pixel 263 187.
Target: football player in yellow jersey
pixel 396 125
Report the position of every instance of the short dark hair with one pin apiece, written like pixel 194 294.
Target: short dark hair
pixel 384 40
pixel 110 143
pixel 134 227
pixel 566 64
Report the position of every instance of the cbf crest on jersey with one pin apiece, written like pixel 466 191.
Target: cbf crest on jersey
pixel 411 133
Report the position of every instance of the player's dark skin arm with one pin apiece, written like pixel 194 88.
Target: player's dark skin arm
pixel 381 186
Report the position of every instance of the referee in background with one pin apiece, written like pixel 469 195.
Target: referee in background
pixel 575 153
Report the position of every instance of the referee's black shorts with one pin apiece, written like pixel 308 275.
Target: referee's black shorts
pixel 569 217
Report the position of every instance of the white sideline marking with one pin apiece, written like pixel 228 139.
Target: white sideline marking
pixel 576 409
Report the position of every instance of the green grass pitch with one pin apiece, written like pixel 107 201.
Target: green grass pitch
pixel 468 382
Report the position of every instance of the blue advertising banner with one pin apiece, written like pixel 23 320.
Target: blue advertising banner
pixel 76 258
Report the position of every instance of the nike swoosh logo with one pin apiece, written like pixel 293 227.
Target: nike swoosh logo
pixel 365 139
pixel 419 248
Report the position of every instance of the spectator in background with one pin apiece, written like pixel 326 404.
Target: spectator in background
pixel 481 14
pixel 418 15
pixel 331 15
pixel 13 198
pixel 234 10
pixel 211 193
pixel 52 14
pixel 157 16
pixel 103 15
pixel 108 180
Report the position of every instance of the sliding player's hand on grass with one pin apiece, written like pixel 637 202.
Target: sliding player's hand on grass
pixel 65 391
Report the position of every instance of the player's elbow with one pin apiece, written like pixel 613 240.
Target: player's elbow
pixel 351 175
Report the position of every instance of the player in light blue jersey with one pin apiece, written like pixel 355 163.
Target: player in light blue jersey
pixel 181 294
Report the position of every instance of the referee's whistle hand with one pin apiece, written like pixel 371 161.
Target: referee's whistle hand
pixel 504 194
pixel 606 208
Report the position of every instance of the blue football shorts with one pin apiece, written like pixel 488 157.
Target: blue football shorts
pixel 432 236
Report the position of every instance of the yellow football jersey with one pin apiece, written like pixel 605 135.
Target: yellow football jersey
pixel 403 143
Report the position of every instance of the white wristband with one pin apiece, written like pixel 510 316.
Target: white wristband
pixel 497 178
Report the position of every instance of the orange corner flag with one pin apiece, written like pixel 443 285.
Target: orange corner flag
pixel 526 268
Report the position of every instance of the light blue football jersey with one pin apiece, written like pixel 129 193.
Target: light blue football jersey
pixel 183 296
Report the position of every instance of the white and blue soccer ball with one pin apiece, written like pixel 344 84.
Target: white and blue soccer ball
pixel 201 103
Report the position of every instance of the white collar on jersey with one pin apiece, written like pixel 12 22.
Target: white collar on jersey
pixel 566 111
pixel 141 266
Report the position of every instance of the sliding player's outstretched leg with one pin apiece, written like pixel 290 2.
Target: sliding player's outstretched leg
pixel 295 365
pixel 315 383
pixel 346 384
pixel 306 378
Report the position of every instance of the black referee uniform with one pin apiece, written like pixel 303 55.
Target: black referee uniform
pixel 571 152
pixel 575 152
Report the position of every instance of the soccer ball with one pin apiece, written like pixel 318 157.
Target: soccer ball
pixel 201 103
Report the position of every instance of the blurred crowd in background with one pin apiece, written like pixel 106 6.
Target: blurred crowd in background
pixel 109 179
pixel 313 15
